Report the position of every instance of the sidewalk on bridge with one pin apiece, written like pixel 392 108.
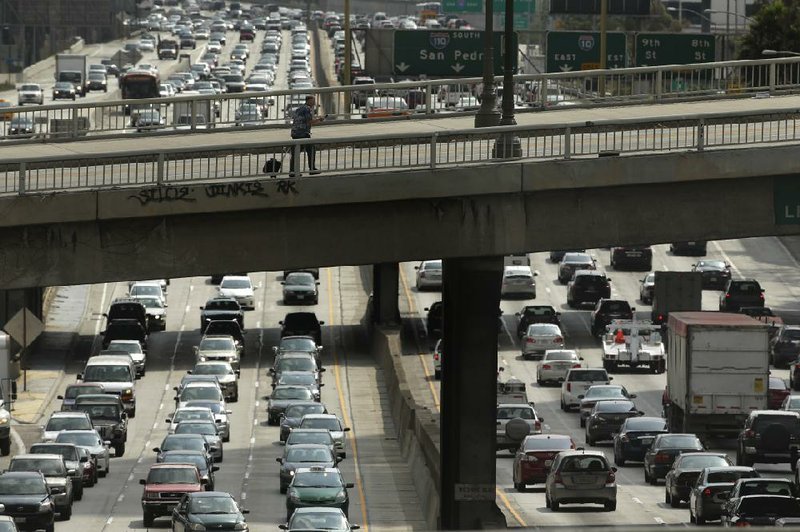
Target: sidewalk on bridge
pixel 423 126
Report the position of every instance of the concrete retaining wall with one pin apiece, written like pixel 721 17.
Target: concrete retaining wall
pixel 417 427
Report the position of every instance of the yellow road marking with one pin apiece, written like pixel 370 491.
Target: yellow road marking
pixel 343 406
pixel 435 393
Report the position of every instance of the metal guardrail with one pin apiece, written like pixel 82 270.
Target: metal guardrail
pixel 177 168
pixel 639 85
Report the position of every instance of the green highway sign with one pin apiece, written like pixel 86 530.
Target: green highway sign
pixel 462 6
pixel 654 49
pixel 520 6
pixel 787 200
pixel 568 51
pixel 445 53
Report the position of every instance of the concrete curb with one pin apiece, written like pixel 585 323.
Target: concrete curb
pixel 417 427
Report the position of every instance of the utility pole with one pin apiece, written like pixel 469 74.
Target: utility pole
pixel 487 115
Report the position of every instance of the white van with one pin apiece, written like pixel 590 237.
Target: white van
pixel 117 375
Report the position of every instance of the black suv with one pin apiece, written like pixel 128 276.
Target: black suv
pixel 108 416
pixel 588 286
pixel 769 436
pixel 25 497
pixel 536 314
pixel 607 310
pixel 221 308
pixel 127 309
pixel 302 324
pixel 125 330
pixel 229 328
pixel 434 319
pixel 740 293
pixel 632 257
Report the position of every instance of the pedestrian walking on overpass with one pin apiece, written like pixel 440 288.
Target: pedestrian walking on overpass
pixel 302 121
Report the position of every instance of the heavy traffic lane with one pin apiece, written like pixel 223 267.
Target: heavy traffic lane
pixel 765 259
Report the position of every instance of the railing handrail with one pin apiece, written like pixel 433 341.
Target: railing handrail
pixel 405 85
pixel 696 118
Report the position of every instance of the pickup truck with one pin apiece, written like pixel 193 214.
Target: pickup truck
pixel 164 486
pixel 221 308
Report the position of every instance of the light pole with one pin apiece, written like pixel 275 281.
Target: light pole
pixel 779 52
pixel 487 115
pixel 728 14
pixel 699 14
pixel 507 145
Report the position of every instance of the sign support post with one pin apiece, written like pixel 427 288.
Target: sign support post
pixel 487 115
pixel 507 145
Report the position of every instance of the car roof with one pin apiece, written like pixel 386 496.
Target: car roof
pixel 162 465
pixel 518 269
pixel 44 456
pixel 69 414
pixel 318 470
pixel 320 416
pixel 236 278
pixel 787 413
pixel 202 383
pixel 581 452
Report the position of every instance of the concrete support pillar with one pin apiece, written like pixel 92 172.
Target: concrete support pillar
pixel 385 290
pixel 471 296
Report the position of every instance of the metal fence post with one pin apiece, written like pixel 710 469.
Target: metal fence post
pixel 296 158
pixel 74 122
pixel 773 69
pixel 160 168
pixel 568 143
pixel 659 84
pixel 433 150
pixel 428 98
pixel 192 110
pixel 701 134
pixel 23 169
pixel 543 83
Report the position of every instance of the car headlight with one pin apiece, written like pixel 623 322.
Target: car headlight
pixel 127 394
pixel 240 526
pixel 294 497
pixel 196 526
pixel 341 496
pixel 203 358
pixel 45 506
pixel 4 420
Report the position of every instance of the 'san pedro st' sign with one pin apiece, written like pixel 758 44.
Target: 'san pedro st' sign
pixel 449 53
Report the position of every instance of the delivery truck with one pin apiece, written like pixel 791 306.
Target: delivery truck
pixel 72 68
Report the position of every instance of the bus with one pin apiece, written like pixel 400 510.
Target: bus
pixel 137 85
pixel 428 11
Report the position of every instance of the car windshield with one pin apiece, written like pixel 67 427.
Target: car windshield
pixel 22 486
pixel 651 278
pixel 298 378
pixel 300 279
pixel 217 344
pixel 794 401
pixel 647 425
pixel 172 475
pixel 192 415
pixel 318 521
pixel 596 392
pixel 152 302
pixel 699 462
pixel 86 439
pixel 74 391
pixel 301 410
pixel 198 460
pixel 550 443
pixel 583 463
pixel 678 441
pixel 432 265
pixel 32 87
pixel 206 429
pixel 615 406
pixel 63 85
pixel 300 454
pixel 212 369
pixel 788 421
pixel 49 468
pixel 544 329
pixel 327 423
pixel 776 383
pixel 100 411
pixel 212 505
pixel 145 290
pixel 214 406
pixel 588 376
pixel 295 364
pixel 711 264
pixel 516 411
pixel 766 487
pixel 790 334
pixel 187 444
pixel 68 452
pixel 770 506
pixel 235 283
pixel 745 287
pixel 128 347
pixel 200 392
pixel 559 355
pixel 314 479
pixel 577 258
pixel 730 476
pixel 299 438
pixel 67 423
pixel 107 374
pixel 291 393
pixel 616 306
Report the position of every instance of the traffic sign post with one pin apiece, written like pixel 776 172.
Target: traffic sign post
pixel 454 53
pixel 655 49
pixel 568 51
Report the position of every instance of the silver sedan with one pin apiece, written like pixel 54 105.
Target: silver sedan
pixel 555 365
pixel 541 337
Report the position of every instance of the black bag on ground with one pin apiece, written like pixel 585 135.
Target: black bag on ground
pixel 272 166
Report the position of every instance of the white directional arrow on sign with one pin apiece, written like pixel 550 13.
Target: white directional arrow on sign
pixel 565 68
pixel 458 67
pixel 402 67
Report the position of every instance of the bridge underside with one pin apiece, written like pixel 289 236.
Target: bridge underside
pixel 468 212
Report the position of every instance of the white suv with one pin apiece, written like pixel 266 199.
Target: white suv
pixel 576 383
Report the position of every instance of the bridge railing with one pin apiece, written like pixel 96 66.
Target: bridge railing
pixel 253 110
pixel 383 153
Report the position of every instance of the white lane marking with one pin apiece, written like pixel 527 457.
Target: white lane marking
pixel 547 289
pixel 109 520
pixel 147 443
pixel 253 440
pixel 255 421
pixel 166 387
pixel 187 309
pixel 247 474
pixel 504 361
pixel 139 461
pixel 637 500
pixel 659 521
pixel 258 324
pixel 130 477
pixel 257 383
pixel 244 495
pixel 121 497
pixel 102 306
pixel 161 406
pixel 191 287
pixel 155 425
pixel 258 403
pixel 183 328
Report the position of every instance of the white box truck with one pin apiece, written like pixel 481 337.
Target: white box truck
pixel 717 371
pixel 72 68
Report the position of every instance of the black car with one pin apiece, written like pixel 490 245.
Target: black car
pixel 769 436
pixel 302 324
pixel 211 510
pixel 25 498
pixel 571 262
pixel 64 90
pixel 786 347
pixel 22 127
pixel 716 273
pixel 635 436
pixel 587 286
pixel 760 510
pixel 124 330
pixel 434 319
pixel 608 310
pixel 188 41
pixel 692 247
pixel 741 293
pixel 662 453
pixel 220 308
pixel 607 417
pixel 127 308
pixel 684 472
pixel 536 314
pixel 556 256
pixel 640 258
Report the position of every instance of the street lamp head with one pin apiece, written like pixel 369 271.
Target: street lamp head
pixel 769 52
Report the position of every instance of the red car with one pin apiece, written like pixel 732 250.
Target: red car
pixel 89 467
pixel 777 392
pixel 535 456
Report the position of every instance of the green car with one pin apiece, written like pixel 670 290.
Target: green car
pixel 317 486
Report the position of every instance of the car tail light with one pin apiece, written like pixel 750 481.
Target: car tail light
pixel 576 365
pixel 742 524
pixel 530 458
pixel 547 366
pixel 727 296
pixel 611 478
pixel 436 356
pixel 558 339
pixel 662 457
pixel 749 433
pixel 707 492
pixel 557 478
pixel 537 425
pixel 660 317
pixel 530 340
pixel 761 296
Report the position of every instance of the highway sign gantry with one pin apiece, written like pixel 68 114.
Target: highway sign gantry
pixel 568 51
pixel 454 53
pixel 655 49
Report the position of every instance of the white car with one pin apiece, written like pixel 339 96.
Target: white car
pixel 30 93
pixel 146 45
pixel 166 90
pixel 214 47
pixel 540 337
pixel 134 349
pixel 147 288
pixel 429 274
pixel 555 365
pixel 577 382
pixel 467 103
pixel 518 281
pixel 240 288
pixel 217 348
